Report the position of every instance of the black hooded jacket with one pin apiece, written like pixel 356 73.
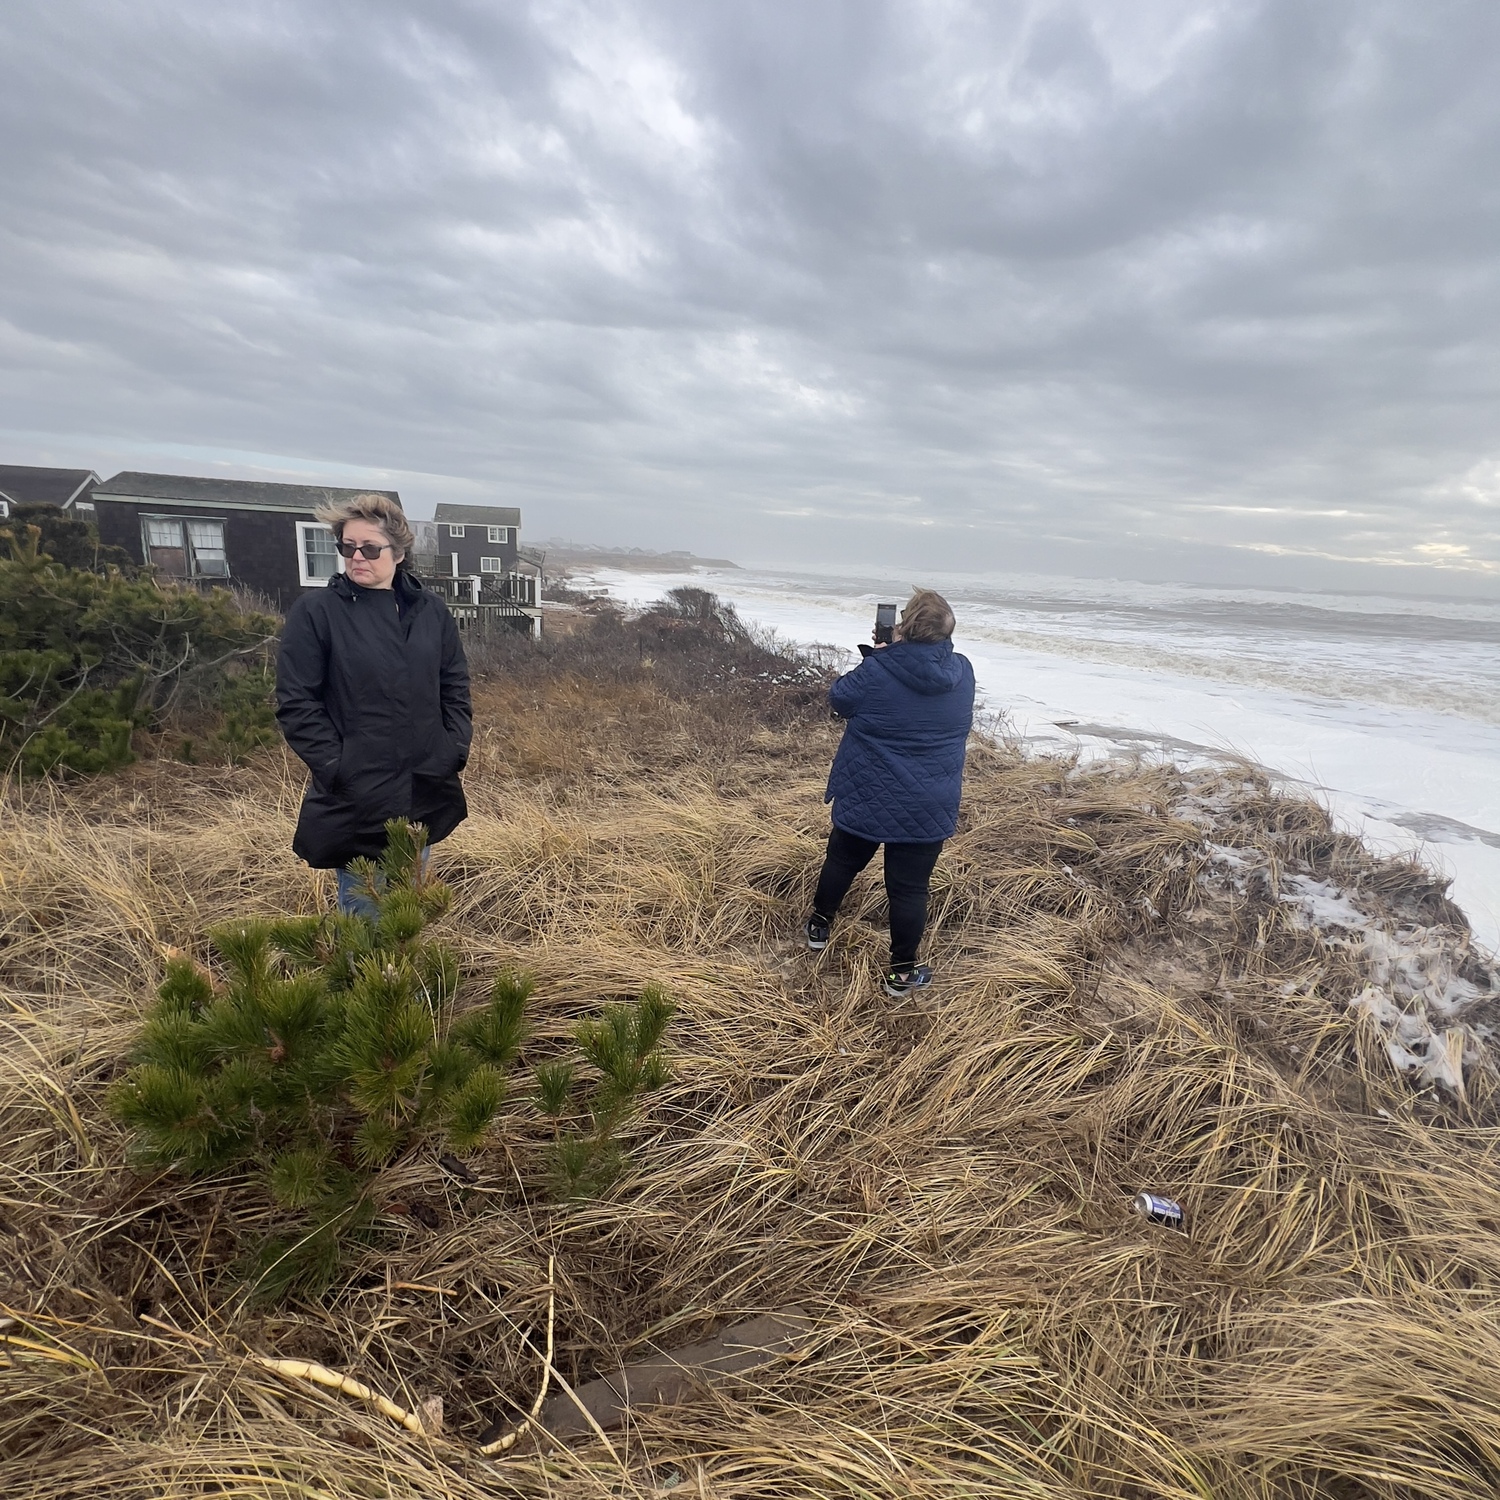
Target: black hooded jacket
pixel 372 692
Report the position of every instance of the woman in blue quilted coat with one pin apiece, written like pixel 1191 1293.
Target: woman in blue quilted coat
pixel 897 776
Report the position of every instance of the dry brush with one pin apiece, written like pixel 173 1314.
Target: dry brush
pixel 1141 985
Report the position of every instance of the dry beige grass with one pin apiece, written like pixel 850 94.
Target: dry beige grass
pixel 943 1183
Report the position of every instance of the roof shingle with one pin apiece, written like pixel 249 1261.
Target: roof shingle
pixel 478 515
pixel 193 490
pixel 25 484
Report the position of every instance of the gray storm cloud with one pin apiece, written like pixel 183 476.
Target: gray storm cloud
pixel 1203 289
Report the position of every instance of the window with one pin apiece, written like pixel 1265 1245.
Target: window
pixel 455 531
pixel 206 549
pixel 317 562
pixel 491 564
pixel 4 508
pixel 497 534
pixel 183 547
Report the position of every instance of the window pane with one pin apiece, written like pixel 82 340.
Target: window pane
pixel 207 539
pixel 497 533
pixel 320 560
pixel 163 533
pixel 455 531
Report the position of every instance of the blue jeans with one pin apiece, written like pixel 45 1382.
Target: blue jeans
pixel 354 894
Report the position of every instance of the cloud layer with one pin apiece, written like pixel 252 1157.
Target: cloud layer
pixel 1184 286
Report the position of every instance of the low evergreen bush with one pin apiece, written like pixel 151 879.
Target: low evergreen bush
pixel 330 1047
pixel 86 658
pixel 68 540
pixel 623 1048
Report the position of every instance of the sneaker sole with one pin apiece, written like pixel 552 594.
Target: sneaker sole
pixel 817 947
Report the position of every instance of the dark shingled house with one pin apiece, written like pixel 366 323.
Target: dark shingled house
pixel 68 489
pixel 478 548
pixel 480 541
pixel 229 531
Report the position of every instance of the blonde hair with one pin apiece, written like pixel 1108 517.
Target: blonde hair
pixel 378 510
pixel 927 617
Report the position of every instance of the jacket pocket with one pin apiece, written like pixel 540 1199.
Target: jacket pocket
pixel 448 758
pixel 327 778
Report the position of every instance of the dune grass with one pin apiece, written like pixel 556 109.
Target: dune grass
pixel 942 1183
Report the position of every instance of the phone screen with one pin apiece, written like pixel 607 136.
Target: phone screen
pixel 885 621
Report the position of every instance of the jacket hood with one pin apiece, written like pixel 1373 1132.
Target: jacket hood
pixel 928 667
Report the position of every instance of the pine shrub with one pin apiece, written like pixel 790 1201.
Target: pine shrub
pixel 623 1049
pixel 245 699
pixel 326 1048
pixel 86 658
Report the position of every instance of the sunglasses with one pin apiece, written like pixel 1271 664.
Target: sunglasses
pixel 367 550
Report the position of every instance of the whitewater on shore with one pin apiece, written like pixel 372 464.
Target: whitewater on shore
pixel 1386 708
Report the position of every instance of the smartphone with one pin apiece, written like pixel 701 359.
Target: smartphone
pixel 885 622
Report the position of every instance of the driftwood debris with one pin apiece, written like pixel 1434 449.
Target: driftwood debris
pixel 670 1379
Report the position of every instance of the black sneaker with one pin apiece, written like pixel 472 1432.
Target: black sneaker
pixel 903 981
pixel 817 933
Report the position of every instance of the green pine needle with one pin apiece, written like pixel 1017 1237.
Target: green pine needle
pixel 298 1179
pixel 495 1033
pixel 404 842
pixel 245 948
pixel 653 1012
pixel 448 1066
pixel 401 919
pixel 474 1106
pixel 554 1086
pixel 376 1141
pixel 186 988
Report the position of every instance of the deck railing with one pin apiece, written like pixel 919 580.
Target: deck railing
pixel 494 588
pixel 484 619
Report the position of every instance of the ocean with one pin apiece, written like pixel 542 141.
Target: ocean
pixel 1385 708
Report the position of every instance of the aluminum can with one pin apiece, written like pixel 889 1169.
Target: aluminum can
pixel 1156 1210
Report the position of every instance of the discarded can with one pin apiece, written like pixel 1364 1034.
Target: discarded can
pixel 1156 1210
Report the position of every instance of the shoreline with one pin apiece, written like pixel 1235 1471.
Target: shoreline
pixel 1407 779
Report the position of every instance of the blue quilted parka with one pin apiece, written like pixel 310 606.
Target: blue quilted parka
pixel 899 770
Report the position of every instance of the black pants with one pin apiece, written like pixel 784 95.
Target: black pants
pixel 908 869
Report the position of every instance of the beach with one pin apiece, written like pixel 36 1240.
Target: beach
pixel 1387 708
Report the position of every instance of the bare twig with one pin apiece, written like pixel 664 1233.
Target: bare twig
pixel 514 1436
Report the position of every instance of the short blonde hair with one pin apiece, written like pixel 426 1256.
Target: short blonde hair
pixel 378 510
pixel 927 617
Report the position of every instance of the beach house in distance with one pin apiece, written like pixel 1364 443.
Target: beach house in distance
pixel 254 535
pixel 28 484
pixel 267 538
pixel 481 544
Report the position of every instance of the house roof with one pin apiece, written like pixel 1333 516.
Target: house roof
pixel 478 515
pixel 236 494
pixel 24 484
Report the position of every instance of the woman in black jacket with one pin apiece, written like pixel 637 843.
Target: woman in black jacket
pixel 372 692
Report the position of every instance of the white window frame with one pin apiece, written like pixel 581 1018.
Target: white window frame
pixel 491 564
pixel 4 508
pixel 455 530
pixel 498 534
pixel 307 581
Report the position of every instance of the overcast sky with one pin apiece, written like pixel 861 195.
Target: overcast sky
pixel 1169 288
